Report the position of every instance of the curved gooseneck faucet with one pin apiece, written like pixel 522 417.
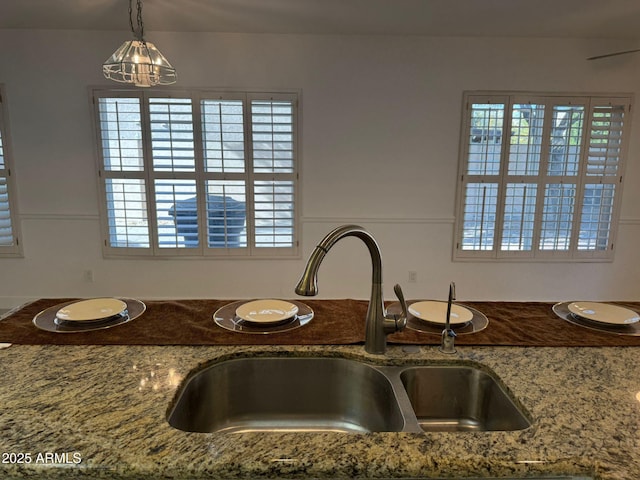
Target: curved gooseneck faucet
pixel 378 322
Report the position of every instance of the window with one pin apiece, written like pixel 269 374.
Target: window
pixel 540 176
pixel 198 173
pixel 9 235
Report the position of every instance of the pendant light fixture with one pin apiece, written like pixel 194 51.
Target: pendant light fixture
pixel 137 61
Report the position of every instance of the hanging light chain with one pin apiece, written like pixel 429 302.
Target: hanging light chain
pixel 140 24
pixel 137 32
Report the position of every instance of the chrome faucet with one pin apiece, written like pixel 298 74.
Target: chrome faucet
pixel 378 323
pixel 448 335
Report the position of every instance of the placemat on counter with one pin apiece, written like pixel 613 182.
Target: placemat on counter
pixel 190 322
pixel 527 324
pixel 335 322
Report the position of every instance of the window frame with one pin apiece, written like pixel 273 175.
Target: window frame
pixel 200 175
pixel 536 254
pixel 14 250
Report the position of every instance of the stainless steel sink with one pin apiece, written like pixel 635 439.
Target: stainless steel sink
pixel 458 398
pixel 334 394
pixel 287 394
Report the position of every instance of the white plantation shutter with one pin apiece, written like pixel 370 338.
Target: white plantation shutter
pixel 273 205
pixel 126 204
pixel 602 176
pixel 519 216
pixel 175 198
pixel 198 173
pixel 173 169
pixel 273 145
pixel 6 232
pixel 605 140
pixel 272 129
pixel 226 213
pixel 9 236
pixel 223 135
pixel 540 176
pixel 557 216
pixel 479 216
pixel 172 137
pixel 122 173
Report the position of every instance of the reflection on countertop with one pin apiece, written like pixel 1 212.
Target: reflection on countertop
pixel 108 405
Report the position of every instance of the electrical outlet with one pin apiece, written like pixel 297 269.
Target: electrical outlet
pixel 88 276
pixel 413 276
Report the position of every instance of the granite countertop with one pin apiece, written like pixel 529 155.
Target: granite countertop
pixel 99 411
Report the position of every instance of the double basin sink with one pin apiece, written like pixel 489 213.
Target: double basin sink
pixel 296 394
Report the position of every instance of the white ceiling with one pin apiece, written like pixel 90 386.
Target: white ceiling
pixel 519 18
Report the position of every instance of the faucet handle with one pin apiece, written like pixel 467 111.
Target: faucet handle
pixel 399 321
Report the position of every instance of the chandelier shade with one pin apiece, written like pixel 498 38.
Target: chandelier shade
pixel 140 63
pixel 137 61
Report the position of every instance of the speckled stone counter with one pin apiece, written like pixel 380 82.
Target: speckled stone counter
pixel 100 412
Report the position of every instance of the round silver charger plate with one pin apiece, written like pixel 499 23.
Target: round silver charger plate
pixel 478 322
pixel 562 310
pixel 226 318
pixel 47 320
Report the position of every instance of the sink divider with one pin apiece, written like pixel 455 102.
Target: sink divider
pixel 411 423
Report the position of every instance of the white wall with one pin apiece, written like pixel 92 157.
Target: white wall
pixel 381 120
